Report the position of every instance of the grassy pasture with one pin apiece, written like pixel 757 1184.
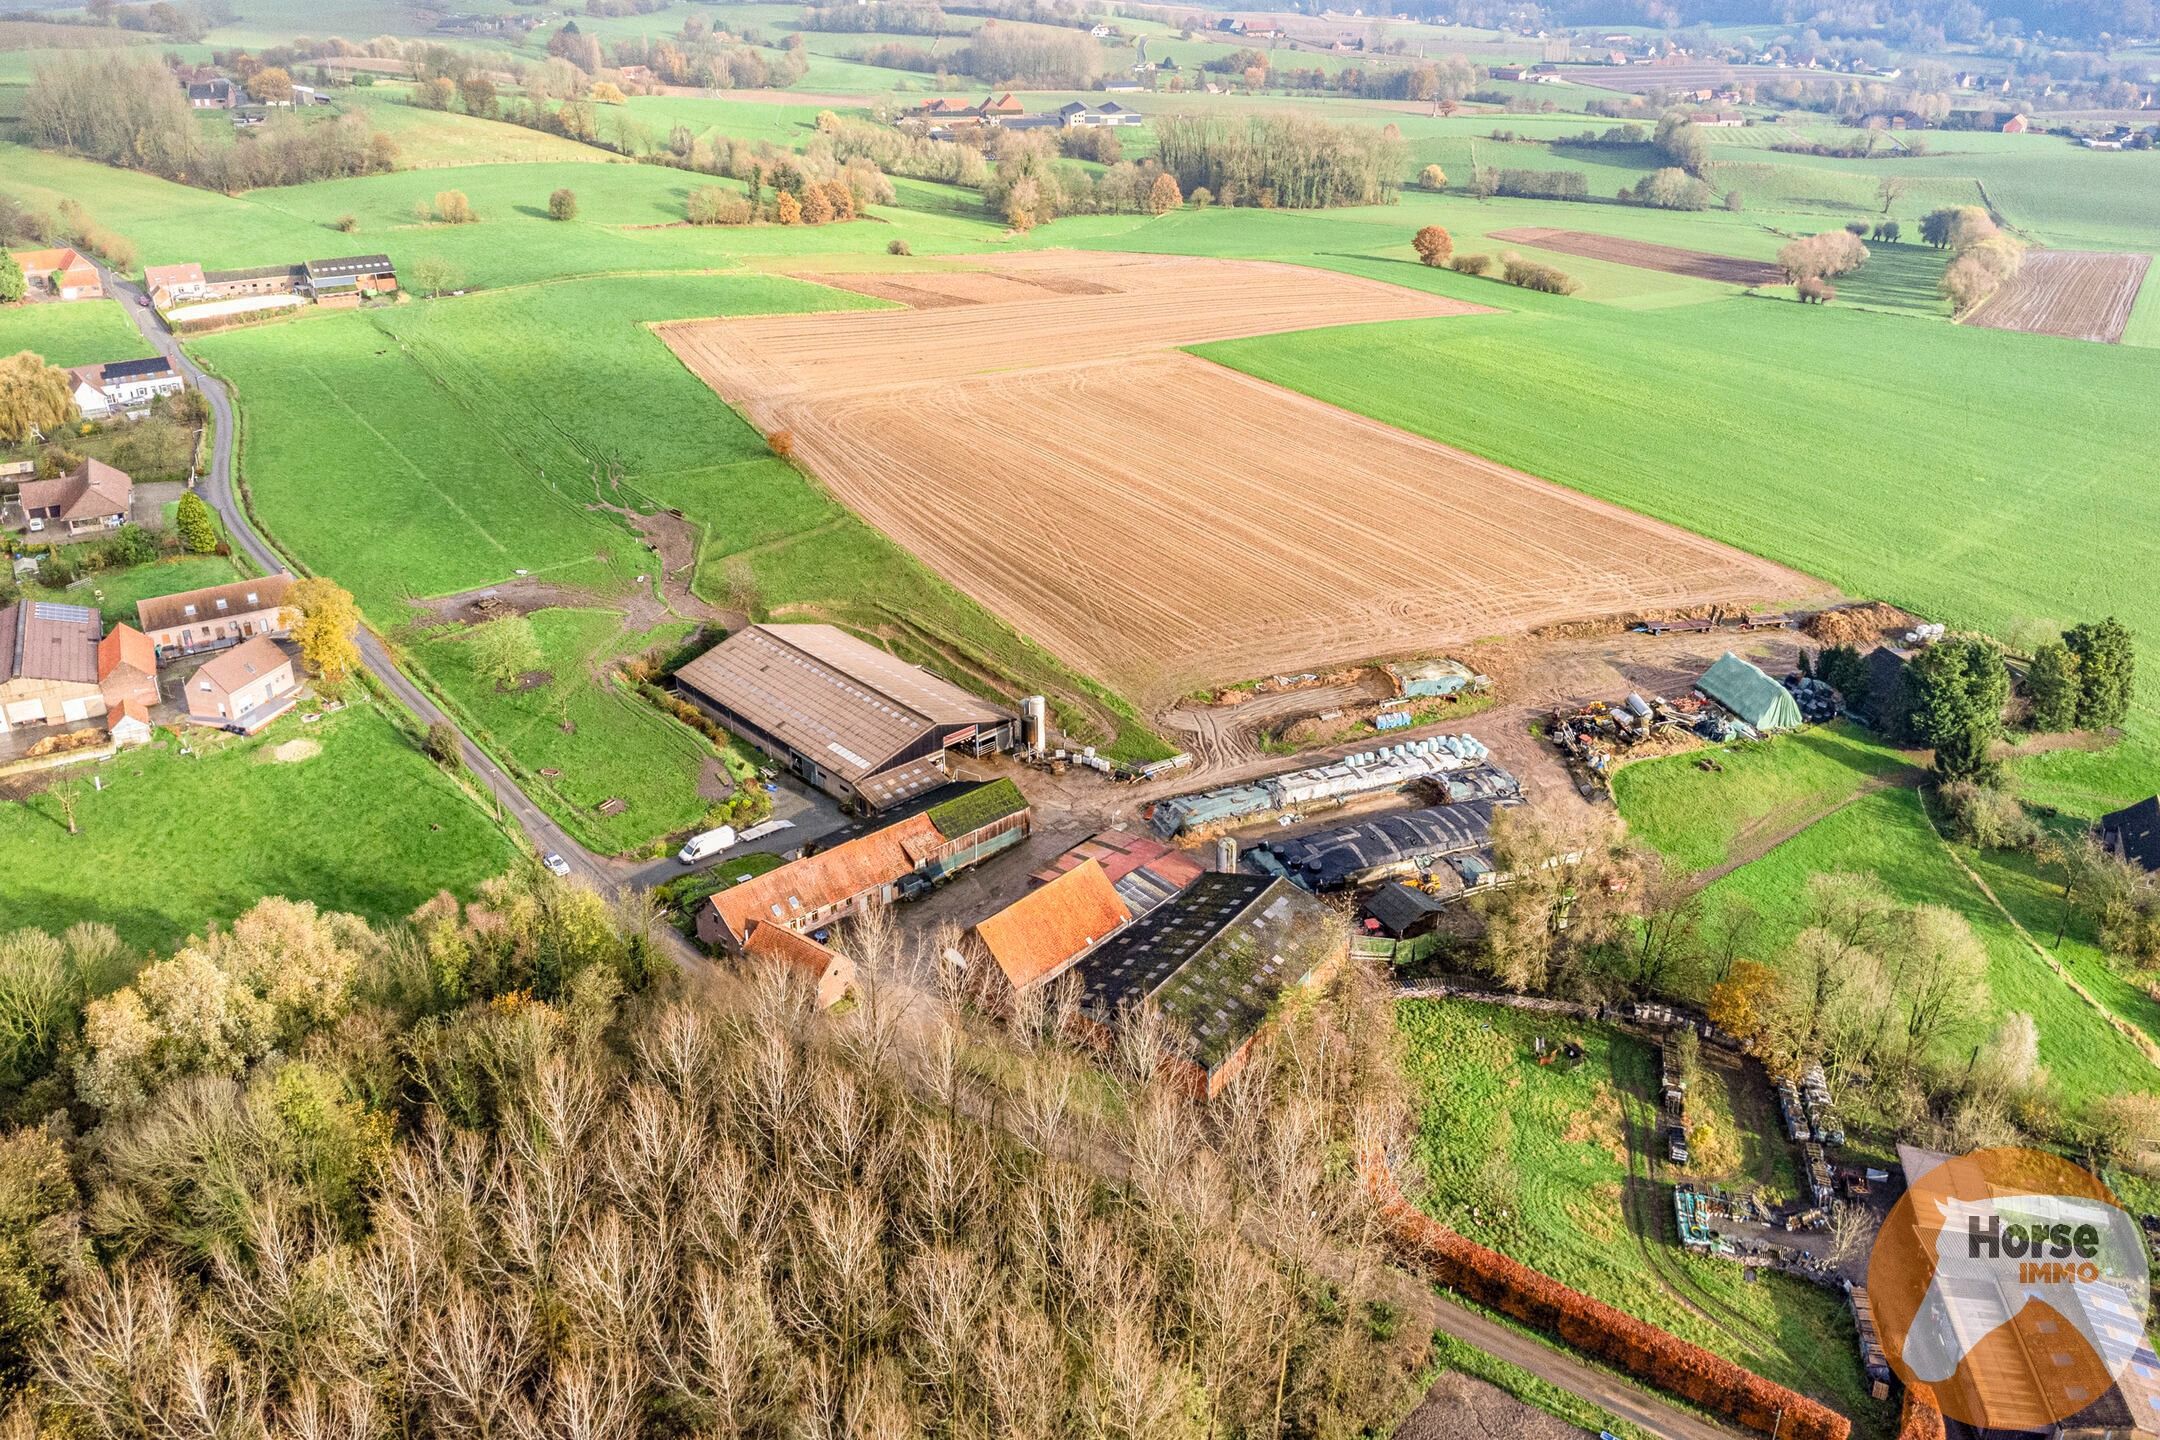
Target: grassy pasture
pixel 1699 818
pixel 605 741
pixel 1533 1161
pixel 369 825
pixel 73 332
pixel 1846 790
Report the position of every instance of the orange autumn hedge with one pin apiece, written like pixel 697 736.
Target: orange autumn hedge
pixel 1597 1329
pixel 1922 1421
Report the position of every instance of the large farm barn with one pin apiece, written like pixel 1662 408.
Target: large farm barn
pixel 1031 430
pixel 845 716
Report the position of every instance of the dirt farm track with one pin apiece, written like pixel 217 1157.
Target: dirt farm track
pixel 2076 294
pixel 1028 428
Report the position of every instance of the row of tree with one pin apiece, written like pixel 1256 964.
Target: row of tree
pixel 126 110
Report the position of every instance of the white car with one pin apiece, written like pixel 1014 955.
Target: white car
pixel 555 863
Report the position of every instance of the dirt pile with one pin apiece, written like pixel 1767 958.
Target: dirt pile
pixel 1861 626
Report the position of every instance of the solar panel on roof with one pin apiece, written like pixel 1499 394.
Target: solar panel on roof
pixel 71 614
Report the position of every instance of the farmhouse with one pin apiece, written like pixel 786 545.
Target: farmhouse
pixel 1411 843
pixel 244 689
pixel 48 665
pixel 213 618
pixel 1144 871
pixel 999 107
pixel 1215 960
pixel 828 971
pixel 810 895
pixel 1038 937
pixel 91 497
pixel 2015 125
pixel 123 387
pixel 1718 119
pixel 2133 834
pixel 219 94
pixel 172 284
pixel 1753 698
pixel 62 274
pixel 857 722
pixel 127 668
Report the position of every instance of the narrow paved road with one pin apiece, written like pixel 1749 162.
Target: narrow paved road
pixel 219 490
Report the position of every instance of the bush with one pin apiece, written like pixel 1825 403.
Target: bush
pixel 345 224
pixel 781 443
pixel 442 744
pixel 1433 245
pixel 1432 177
pixel 452 208
pixel 1987 817
pixel 898 247
pixel 712 205
pixel 1472 264
pixel 1815 291
pixel 1531 275
pixel 198 532
pixel 562 205
pixel 132 546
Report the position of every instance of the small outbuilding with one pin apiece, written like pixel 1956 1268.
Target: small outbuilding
pixel 1037 938
pixel 1750 695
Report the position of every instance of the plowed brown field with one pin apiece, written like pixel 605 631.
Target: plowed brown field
pixel 1164 523
pixel 2076 294
pixel 1643 255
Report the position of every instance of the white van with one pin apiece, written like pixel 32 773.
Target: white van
pixel 712 842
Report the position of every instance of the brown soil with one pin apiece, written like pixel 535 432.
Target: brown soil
pixel 2076 294
pixel 1462 1407
pixel 292 752
pixel 1861 626
pixel 676 541
pixel 1643 255
pixel 1039 452
pixel 512 597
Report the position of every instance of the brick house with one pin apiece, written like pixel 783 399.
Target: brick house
pixel 61 273
pixel 831 973
pixel 243 689
pixel 212 618
pixel 91 498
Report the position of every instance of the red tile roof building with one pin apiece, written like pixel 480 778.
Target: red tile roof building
pixel 1038 936
pixel 831 972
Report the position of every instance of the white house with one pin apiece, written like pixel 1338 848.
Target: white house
pixel 123 387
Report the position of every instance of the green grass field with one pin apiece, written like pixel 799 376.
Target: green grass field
pixel 73 332
pixel 1760 791
pixel 173 842
pixel 1850 801
pixel 1534 1161
pixel 600 740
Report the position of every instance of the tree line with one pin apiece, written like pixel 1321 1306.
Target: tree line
pixel 1281 160
pixel 500 1170
pixel 128 111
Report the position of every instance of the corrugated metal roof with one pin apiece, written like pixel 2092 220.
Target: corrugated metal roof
pixel 1330 858
pixel 845 704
